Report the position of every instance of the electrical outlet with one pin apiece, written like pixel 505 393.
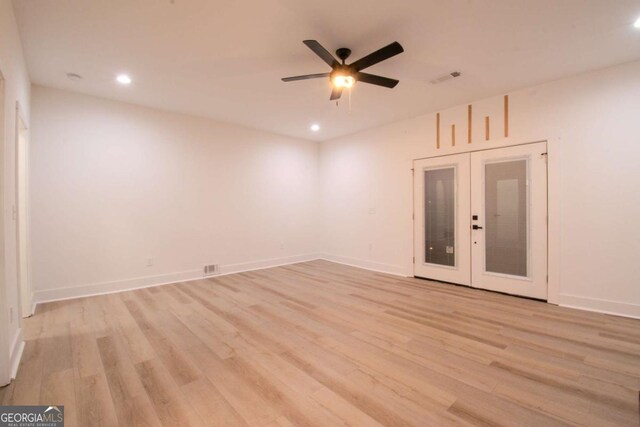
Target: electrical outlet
pixel 149 262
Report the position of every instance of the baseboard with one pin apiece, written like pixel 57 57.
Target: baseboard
pixel 115 286
pixel 104 288
pixel 368 265
pixel 600 305
pixel 16 353
pixel 269 263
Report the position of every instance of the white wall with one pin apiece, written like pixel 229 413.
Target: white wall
pixel 17 86
pixel 592 123
pixel 113 184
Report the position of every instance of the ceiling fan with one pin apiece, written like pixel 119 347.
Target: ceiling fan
pixel 344 76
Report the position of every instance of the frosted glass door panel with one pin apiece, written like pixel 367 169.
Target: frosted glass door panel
pixel 440 216
pixel 506 217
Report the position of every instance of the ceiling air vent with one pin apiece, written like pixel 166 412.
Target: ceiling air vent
pixel 212 269
pixel 446 77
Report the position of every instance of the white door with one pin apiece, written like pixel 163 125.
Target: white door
pixel 442 233
pixel 480 219
pixel 509 236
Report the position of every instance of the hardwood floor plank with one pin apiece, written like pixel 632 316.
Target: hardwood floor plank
pixel 94 404
pixel 57 389
pixel 131 402
pixel 211 404
pixel 170 404
pixel 84 350
pixel 173 358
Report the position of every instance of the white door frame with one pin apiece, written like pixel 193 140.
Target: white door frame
pixel 23 248
pixel 5 346
pixel 553 203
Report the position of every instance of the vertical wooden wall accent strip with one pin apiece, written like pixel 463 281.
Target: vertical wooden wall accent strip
pixel 487 131
pixel 506 116
pixel 469 124
pixel 453 135
pixel 438 130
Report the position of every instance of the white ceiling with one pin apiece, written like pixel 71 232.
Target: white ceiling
pixel 224 58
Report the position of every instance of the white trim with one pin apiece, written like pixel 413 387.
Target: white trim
pixel 113 287
pixel 554 230
pixel 16 353
pixel 616 308
pixel 268 263
pixel 163 279
pixel 495 143
pixel 395 270
pixel 25 294
pixel 5 321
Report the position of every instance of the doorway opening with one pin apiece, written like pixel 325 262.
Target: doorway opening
pixel 480 219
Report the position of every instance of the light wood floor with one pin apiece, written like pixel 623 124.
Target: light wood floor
pixel 320 344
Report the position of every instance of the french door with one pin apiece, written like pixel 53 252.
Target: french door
pixel 481 219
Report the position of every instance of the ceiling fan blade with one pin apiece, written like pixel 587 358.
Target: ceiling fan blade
pixel 305 77
pixel 321 52
pixel 336 93
pixel 377 80
pixel 378 56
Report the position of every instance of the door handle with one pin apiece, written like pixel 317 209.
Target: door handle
pixel 477 227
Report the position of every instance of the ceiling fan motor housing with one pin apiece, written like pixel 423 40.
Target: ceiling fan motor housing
pixel 342 70
pixel 343 53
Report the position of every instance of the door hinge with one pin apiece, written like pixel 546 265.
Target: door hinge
pixel 414 260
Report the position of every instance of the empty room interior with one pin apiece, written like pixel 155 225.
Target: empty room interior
pixel 300 213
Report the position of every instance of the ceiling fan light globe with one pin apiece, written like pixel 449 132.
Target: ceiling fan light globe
pixel 342 81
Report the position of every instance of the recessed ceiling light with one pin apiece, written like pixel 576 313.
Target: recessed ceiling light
pixel 315 127
pixel 637 23
pixel 74 77
pixel 123 79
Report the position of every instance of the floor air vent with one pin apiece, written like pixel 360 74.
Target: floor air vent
pixel 210 270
